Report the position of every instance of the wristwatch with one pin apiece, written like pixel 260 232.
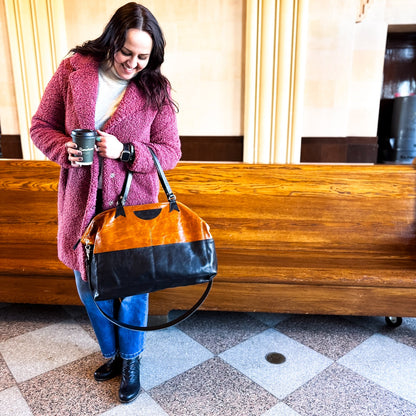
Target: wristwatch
pixel 127 155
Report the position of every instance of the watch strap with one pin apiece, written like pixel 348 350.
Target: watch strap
pixel 132 153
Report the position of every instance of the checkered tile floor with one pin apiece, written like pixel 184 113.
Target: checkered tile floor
pixel 212 364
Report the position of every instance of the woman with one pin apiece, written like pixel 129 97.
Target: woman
pixel 112 84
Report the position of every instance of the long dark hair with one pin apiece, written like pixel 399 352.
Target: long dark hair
pixel 150 80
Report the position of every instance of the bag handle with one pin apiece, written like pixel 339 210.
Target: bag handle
pixel 163 180
pixel 175 321
pixel 173 206
pixel 165 184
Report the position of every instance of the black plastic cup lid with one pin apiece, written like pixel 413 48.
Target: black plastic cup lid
pixel 84 132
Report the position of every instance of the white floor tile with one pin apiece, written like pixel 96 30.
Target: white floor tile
pixel 45 349
pixel 270 319
pixel 13 404
pixel 387 363
pixel 168 353
pixel 144 405
pixel 281 410
pixel 300 366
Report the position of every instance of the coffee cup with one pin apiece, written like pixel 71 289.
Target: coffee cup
pixel 85 141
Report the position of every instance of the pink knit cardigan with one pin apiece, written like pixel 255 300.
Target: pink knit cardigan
pixel 69 103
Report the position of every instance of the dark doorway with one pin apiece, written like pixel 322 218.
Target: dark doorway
pixel 399 80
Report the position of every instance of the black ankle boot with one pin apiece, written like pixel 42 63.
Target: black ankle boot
pixel 130 380
pixel 109 370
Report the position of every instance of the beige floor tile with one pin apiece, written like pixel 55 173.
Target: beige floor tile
pixel 45 349
pixel 13 404
pixel 144 405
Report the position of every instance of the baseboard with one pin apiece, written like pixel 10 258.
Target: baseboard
pixel 339 149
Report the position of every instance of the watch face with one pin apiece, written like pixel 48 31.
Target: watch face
pixel 125 154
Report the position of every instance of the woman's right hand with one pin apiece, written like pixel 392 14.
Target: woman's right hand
pixel 74 155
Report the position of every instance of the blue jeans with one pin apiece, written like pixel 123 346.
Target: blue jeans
pixel 111 338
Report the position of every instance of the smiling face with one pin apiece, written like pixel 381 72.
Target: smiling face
pixel 134 55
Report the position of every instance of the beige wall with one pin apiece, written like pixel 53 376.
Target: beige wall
pixel 204 56
pixel 344 70
pixel 8 108
pixel 204 61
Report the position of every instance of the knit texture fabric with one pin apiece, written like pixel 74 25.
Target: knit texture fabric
pixel 69 103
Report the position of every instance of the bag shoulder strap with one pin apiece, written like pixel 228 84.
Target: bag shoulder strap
pixel 175 321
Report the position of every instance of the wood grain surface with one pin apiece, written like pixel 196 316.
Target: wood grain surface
pixel 333 239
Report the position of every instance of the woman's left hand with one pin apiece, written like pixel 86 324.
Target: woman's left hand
pixel 108 145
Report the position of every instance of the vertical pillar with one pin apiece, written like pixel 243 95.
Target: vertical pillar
pixel 274 80
pixel 37 43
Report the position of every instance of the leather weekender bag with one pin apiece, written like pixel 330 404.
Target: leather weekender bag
pixel 145 248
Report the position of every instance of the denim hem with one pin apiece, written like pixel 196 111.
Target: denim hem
pixel 131 356
pixel 109 356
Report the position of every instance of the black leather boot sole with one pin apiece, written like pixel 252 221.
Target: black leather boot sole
pixel 130 380
pixel 109 370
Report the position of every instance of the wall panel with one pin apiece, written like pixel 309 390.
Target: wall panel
pixel 204 56
pixel 36 30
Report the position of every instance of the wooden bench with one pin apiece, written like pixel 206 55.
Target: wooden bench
pixel 318 239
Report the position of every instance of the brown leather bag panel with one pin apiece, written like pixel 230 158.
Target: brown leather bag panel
pixel 108 233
